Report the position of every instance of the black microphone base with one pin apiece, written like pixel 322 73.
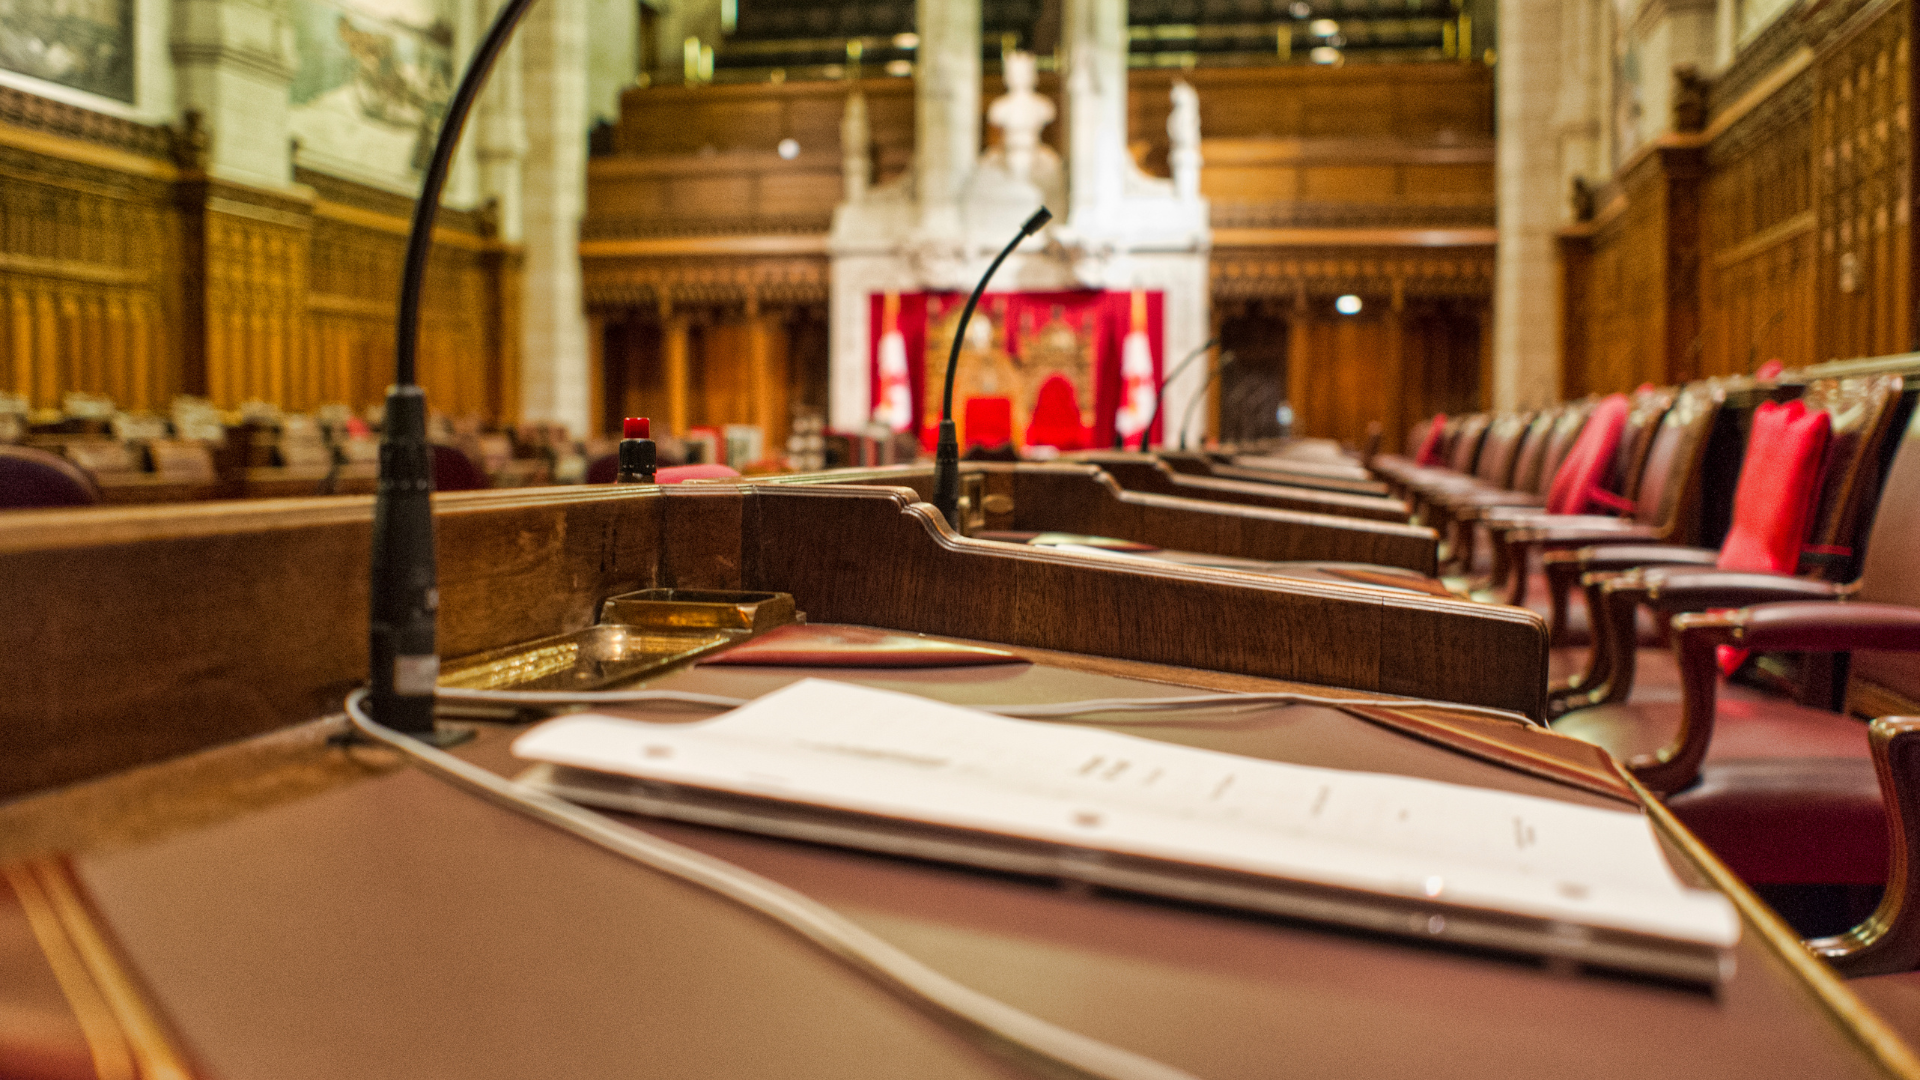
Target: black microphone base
pixel 946 475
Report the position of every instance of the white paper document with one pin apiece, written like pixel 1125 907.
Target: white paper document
pixel 887 755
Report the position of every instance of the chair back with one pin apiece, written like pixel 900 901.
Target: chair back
pixel 1779 479
pixel 1890 570
pixel 1466 443
pixel 1428 450
pixel 989 421
pixel 32 478
pixel 1500 448
pixel 1628 467
pixel 1056 417
pixel 1529 460
pixel 1561 441
pixel 1862 411
pixel 1585 464
pixel 1669 487
pixel 453 470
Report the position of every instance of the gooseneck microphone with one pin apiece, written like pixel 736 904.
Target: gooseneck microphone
pixel 403 594
pixel 1160 395
pixel 1226 361
pixel 946 453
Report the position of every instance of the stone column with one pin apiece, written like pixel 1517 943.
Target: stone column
pixel 500 138
pixel 233 65
pixel 946 109
pixel 855 144
pixel 1581 110
pixel 554 368
pixel 1526 355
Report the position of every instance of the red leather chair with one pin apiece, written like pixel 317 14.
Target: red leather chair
pixel 1785 793
pixel 1860 411
pixel 1056 417
pixel 1455 513
pixel 453 470
pixel 1659 487
pixel 32 478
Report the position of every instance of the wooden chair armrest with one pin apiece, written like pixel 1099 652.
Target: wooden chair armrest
pixel 1889 940
pixel 1567 568
pixel 1698 590
pixel 1802 627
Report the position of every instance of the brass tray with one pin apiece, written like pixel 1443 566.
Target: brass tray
pixel 639 633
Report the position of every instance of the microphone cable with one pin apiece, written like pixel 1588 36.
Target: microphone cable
pixel 989 1023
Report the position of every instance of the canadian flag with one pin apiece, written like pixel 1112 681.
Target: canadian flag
pixel 895 408
pixel 1137 396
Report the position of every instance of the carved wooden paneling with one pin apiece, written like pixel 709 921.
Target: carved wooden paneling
pixel 1861 177
pixel 85 299
pixel 127 274
pixel 1638 310
pixel 1801 246
pixel 1758 236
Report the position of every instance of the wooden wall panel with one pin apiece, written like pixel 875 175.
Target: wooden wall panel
pixel 85 301
pixel 1386 365
pixel 1788 237
pixel 1640 315
pixel 1860 147
pixel 129 273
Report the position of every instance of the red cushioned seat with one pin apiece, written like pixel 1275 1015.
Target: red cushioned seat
pixel 1429 452
pixel 1786 795
pixel 1585 468
pixel 1056 417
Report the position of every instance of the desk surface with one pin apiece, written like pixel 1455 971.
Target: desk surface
pixel 294 909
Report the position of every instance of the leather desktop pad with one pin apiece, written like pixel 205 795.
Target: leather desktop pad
pixel 398 927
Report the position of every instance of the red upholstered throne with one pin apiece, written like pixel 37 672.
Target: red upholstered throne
pixel 1056 417
pixel 989 421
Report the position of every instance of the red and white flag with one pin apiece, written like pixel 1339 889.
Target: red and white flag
pixel 1137 394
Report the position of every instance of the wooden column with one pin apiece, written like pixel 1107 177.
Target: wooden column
pixel 597 374
pixel 768 377
pixel 673 356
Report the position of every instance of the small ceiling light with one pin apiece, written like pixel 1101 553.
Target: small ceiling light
pixel 788 149
pixel 1348 304
pixel 900 68
pixel 1323 28
pixel 1325 54
pixel 1301 10
pixel 906 41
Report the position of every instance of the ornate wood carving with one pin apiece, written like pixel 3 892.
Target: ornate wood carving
pixel 1801 246
pixel 121 275
pixel 1861 184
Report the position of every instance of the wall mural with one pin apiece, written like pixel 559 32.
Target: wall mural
pixel 84 44
pixel 373 82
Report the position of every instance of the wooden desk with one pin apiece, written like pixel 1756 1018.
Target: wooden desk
pixel 1076 497
pixel 292 908
pixel 1147 472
